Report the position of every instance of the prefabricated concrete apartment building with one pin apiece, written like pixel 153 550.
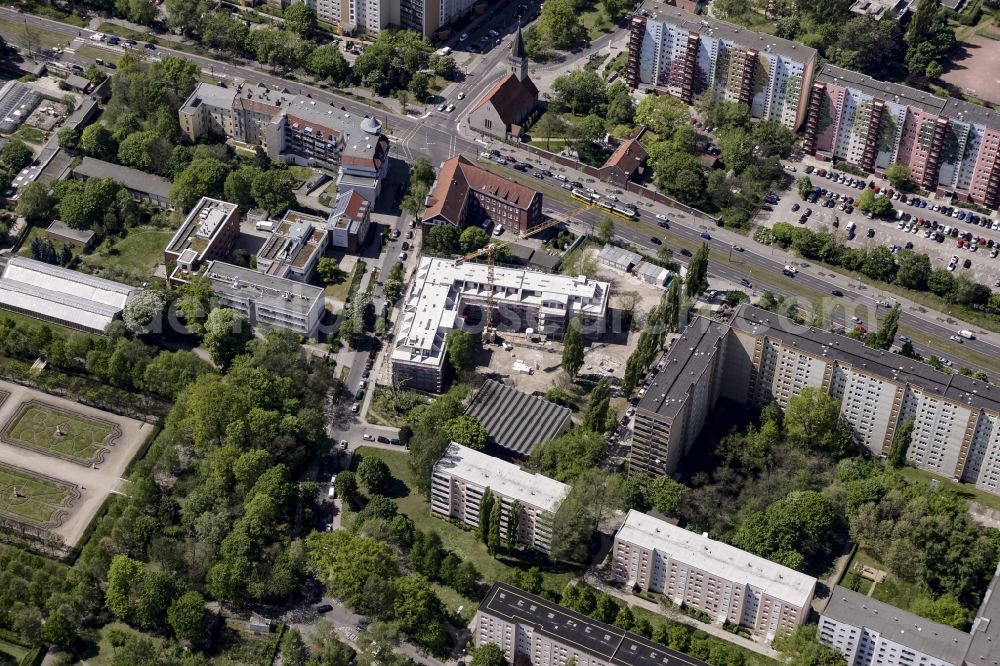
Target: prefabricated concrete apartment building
pixel 759 357
pixel 460 480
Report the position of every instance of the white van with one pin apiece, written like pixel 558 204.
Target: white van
pixel 332 494
pixel 850 226
pixel 967 334
pixel 265 225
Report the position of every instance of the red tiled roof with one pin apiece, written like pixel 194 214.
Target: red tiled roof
pixel 628 156
pixel 512 99
pixel 458 177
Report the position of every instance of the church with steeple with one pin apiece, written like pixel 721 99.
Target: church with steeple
pixel 511 101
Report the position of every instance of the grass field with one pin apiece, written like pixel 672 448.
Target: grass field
pixel 88 51
pixel 39 36
pixel 892 590
pixel 139 252
pixel 966 491
pixel 15 651
pixel 82 440
pixel 31 134
pixel 39 500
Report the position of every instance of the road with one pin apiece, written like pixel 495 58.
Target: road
pixel 439 136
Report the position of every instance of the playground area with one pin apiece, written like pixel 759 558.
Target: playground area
pixel 60 459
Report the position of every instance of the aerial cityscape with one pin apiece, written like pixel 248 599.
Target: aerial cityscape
pixel 500 333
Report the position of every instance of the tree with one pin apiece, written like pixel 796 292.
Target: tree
pixel 375 474
pixel 946 609
pixel 493 538
pixel 273 190
pixel 514 514
pixel 143 312
pixel 900 443
pixel 442 240
pixel 572 355
pixel 393 287
pixel 812 421
pixel 579 515
pixel 300 18
pixel 790 530
pixel 124 585
pixel 327 62
pixel 549 125
pixel 467 431
pixel 420 85
pixel 886 334
pixel 185 15
pixel 940 282
pixel 461 350
pixel 16 155
pixel 444 66
pixel 488 655
pixel 473 239
pixel 582 92
pixel 897 174
pixel 58 629
pixel 598 408
pixel 560 27
pixel 293 649
pixel 203 177
pixel 661 114
pixel 801 648
pixel 667 495
pixel 347 487
pixel 227 333
pixel 697 272
pixel 566 457
pixel 485 512
pixel 913 270
pixel 188 619
pixel 69 139
pixel 96 141
pixel 345 562
pixel 606 230
pixel 328 270
pixel 146 151
pixel 804 186
pixel 34 202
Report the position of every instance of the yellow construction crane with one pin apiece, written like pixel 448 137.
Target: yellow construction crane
pixel 490 253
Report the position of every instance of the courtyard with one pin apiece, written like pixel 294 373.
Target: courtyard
pixel 61 459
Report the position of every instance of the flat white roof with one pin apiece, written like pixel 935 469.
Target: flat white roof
pixel 505 478
pixel 718 558
pixel 432 305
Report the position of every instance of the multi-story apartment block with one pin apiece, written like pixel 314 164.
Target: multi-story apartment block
pixel 869 632
pixel 729 584
pixel 950 146
pixel 531 629
pixel 686 54
pixel 464 194
pixel 371 16
pixel 446 294
pixel 294 247
pixel 956 432
pixel 462 477
pixel 207 234
pixel 294 128
pixel 265 300
pixel 672 411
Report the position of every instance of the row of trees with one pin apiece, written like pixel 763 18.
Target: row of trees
pixel 907 269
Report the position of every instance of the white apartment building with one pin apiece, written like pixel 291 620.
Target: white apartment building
pixel 729 584
pixel 446 295
pixel 687 54
pixel 531 629
pixel 265 300
pixel 462 476
pixel 371 16
pixel 762 357
pixel 869 632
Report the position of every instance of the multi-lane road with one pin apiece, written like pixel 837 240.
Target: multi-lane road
pixel 438 136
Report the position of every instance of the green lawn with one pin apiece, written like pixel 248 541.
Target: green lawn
pixel 38 500
pixel 596 22
pixel 89 51
pixel 31 134
pixel 301 174
pixel 22 321
pixel 39 36
pixel 461 541
pixel 966 491
pixel 33 233
pixel 60 432
pixel 106 652
pixel 139 252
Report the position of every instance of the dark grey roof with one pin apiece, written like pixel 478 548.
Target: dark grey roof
pixel 817 342
pixel 984 648
pixel 933 639
pixel 604 641
pixel 707 26
pixel 515 420
pixel 688 358
pixel 955 109
pixel 132 179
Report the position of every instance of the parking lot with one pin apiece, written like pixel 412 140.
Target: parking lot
pixel 921 228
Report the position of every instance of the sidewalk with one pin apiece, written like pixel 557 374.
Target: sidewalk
pixel 715 630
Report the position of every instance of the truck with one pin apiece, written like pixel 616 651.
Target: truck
pixel 967 334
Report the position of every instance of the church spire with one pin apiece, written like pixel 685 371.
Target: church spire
pixel 518 59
